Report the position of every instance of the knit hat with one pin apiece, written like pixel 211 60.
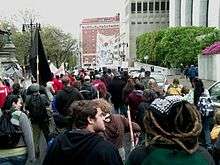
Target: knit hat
pixel 34 87
pixel 164 106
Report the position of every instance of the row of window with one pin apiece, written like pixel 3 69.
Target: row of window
pixel 140 7
pixel 133 23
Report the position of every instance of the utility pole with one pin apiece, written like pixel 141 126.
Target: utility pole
pixel 31 27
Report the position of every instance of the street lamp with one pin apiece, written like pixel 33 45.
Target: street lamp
pixel 30 27
pixel 123 45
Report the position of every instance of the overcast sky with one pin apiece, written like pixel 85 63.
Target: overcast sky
pixel 65 14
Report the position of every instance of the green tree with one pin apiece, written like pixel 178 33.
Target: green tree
pixel 60 47
pixel 172 46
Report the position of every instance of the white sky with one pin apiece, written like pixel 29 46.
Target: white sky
pixel 65 14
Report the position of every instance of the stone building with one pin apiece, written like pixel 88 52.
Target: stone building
pixel 195 13
pixel 141 16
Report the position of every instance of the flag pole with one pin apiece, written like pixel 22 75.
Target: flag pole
pixel 37 56
pixel 131 129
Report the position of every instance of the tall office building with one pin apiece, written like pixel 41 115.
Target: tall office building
pixel 142 16
pixel 195 13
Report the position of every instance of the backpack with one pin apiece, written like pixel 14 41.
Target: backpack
pixel 205 106
pixel 10 134
pixel 88 92
pixel 36 105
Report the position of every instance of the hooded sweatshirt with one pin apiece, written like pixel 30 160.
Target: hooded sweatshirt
pixel 65 97
pixel 82 148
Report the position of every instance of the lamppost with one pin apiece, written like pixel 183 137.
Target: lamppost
pixel 30 27
pixel 123 45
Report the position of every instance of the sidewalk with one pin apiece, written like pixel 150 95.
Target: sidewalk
pixel 186 82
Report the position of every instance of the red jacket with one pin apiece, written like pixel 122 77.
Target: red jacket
pixel 3 94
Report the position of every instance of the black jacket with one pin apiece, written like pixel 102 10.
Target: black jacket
pixel 82 148
pixel 65 97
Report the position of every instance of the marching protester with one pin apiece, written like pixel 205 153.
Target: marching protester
pixel 82 145
pixel 134 99
pixel 116 126
pixel 148 97
pixel 173 126
pixel 3 93
pixel 36 104
pixel 16 138
pixel 174 88
pixel 87 90
pixel 204 104
pixel 66 96
pixel 62 101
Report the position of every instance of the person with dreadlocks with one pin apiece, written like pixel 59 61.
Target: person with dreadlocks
pixel 174 126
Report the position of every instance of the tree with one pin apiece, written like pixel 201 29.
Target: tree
pixel 172 46
pixel 60 47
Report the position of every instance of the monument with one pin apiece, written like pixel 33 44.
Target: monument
pixel 8 59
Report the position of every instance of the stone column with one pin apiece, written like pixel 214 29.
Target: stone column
pixel 175 13
pixel 186 12
pixel 200 12
pixel 214 13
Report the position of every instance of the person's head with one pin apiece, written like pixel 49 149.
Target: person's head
pixel 139 86
pixel 57 77
pixel 16 88
pixel 87 78
pixel 217 117
pixel 66 81
pixel 176 81
pixel 172 120
pixel 152 83
pixel 87 115
pixel 34 88
pixel 147 73
pixel 198 89
pixel 150 95
pixel 185 90
pixel 16 102
pixel 106 108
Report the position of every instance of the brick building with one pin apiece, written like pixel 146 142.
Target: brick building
pixel 99 35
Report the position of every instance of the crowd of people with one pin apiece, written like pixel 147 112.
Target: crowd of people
pixel 83 119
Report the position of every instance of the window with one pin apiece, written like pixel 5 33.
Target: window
pixel 163 6
pixel 151 7
pixel 145 7
pixel 151 22
pixel 168 6
pixel 139 7
pixel 138 22
pixel 133 23
pixel 133 7
pixel 157 6
pixel 145 22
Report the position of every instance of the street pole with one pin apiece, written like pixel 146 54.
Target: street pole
pixel 32 27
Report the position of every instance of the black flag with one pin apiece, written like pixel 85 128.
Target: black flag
pixel 38 50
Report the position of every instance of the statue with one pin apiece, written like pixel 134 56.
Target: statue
pixel 7 37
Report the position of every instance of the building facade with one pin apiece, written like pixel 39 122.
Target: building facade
pixel 141 16
pixel 99 40
pixel 195 13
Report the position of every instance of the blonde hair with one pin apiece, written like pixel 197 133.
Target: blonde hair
pixel 217 117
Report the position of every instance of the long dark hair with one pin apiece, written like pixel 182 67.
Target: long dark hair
pixel 198 89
